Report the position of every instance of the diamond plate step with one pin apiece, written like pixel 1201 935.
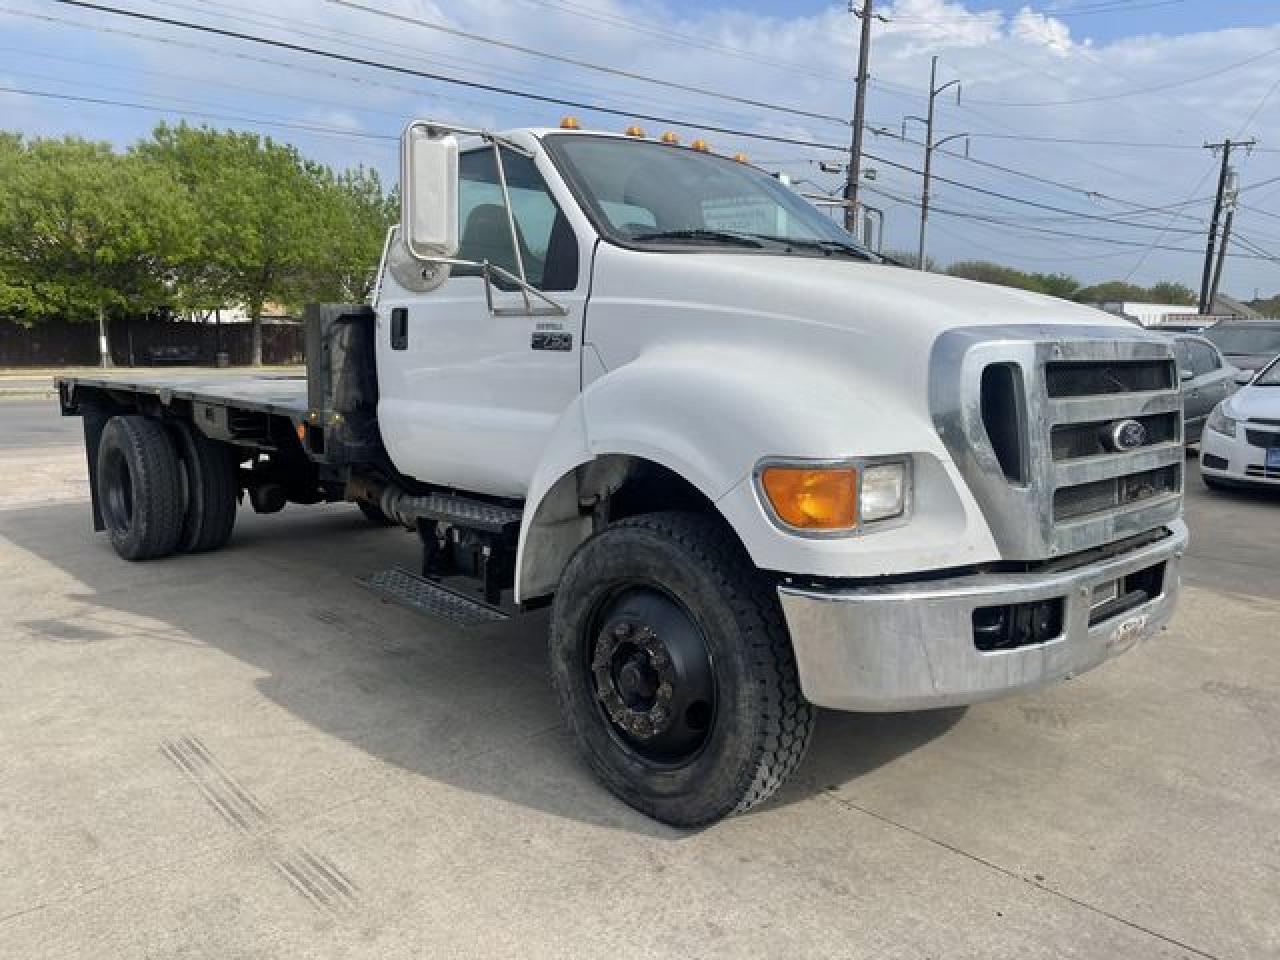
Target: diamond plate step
pixel 426 596
pixel 463 512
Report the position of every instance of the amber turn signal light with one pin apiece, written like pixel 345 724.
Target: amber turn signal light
pixel 813 498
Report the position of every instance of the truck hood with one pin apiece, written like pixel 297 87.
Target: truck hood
pixel 863 297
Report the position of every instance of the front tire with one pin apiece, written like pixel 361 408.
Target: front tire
pixel 674 669
pixel 139 487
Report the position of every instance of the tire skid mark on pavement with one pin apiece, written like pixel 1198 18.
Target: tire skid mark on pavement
pixel 312 875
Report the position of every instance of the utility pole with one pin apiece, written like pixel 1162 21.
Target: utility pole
pixel 1206 278
pixel 859 118
pixel 1231 198
pixel 930 146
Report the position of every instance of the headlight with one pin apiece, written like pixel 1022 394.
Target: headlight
pixel 1219 422
pixel 883 495
pixel 835 498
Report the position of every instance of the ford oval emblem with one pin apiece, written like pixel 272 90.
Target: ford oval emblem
pixel 1127 435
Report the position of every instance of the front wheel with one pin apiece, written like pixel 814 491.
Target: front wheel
pixel 675 671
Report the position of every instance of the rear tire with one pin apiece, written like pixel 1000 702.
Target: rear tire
pixel 674 669
pixel 139 488
pixel 212 488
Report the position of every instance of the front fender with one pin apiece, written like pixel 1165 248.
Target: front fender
pixel 710 414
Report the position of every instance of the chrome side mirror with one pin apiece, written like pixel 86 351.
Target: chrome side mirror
pixel 429 192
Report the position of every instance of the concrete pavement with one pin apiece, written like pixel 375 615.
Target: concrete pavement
pixel 244 754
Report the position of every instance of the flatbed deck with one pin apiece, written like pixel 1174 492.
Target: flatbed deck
pixel 281 394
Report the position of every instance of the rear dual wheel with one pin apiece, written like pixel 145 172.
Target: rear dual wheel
pixel 674 669
pixel 162 490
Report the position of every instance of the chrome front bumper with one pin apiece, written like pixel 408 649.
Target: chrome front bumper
pixel 911 646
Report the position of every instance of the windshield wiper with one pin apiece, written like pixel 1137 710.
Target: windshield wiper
pixel 709 236
pixel 826 246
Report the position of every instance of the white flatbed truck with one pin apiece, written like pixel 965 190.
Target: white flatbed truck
pixel 753 468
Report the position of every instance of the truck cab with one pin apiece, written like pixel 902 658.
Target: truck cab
pixel 753 468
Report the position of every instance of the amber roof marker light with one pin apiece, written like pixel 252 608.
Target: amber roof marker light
pixel 670 138
pixel 570 123
pixel 634 131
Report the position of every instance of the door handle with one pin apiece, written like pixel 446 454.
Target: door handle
pixel 400 328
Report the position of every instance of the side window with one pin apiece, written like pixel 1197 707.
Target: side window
pixel 1204 359
pixel 548 246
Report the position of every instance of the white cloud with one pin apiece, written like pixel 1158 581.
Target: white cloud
pixel 806 61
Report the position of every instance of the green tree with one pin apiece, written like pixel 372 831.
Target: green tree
pixel 275 226
pixel 85 232
pixel 262 218
pixel 1167 291
pixel 1269 307
pixel 986 272
pixel 1112 290
pixel 909 258
pixel 358 211
pixel 1057 284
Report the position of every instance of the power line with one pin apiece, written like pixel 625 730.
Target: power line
pixel 439 77
pixel 295 27
pixel 1159 88
pixel 320 101
pixel 223 117
pixel 1115 241
pixel 1056 12
pixel 616 20
pixel 247 57
pixel 559 101
pixel 586 65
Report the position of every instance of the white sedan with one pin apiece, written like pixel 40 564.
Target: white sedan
pixel 1241 442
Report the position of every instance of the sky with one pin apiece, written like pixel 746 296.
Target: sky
pixel 1082 115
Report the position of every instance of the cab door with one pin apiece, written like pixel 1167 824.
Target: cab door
pixel 468 398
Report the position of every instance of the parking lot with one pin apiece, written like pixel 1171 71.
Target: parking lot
pixel 245 754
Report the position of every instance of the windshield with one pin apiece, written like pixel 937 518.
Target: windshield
pixel 642 193
pixel 1242 339
pixel 1269 377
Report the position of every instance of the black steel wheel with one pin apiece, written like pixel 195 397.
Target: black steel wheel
pixel 674 669
pixel 651 674
pixel 139 488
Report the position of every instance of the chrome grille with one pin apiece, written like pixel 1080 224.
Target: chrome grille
pixel 1073 440
pixel 1088 499
pixel 1076 383
pixel 1083 379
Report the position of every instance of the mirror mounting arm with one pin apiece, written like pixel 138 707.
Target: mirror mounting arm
pixel 489 271
pixel 511 225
